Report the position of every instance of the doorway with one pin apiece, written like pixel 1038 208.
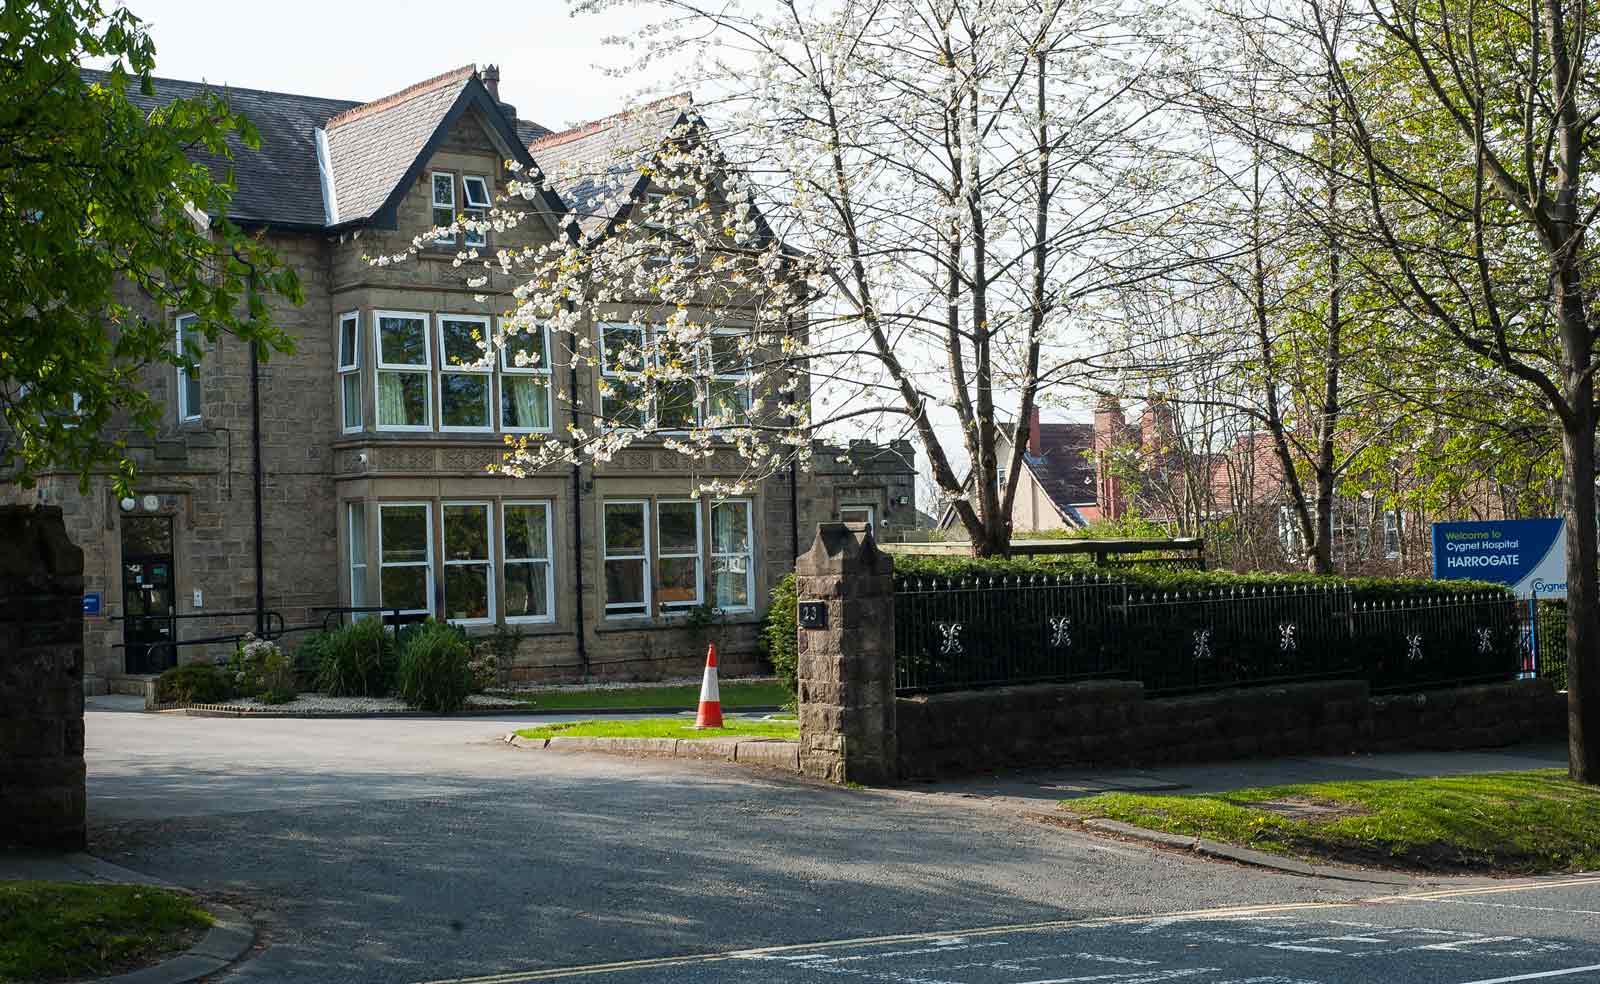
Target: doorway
pixel 148 605
pixel 860 514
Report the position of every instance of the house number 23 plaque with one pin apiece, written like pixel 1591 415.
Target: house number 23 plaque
pixel 813 614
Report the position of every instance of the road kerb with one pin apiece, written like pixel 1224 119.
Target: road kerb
pixel 770 753
pixel 1260 859
pixel 228 939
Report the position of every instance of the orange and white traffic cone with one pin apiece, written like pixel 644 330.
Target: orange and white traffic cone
pixel 710 715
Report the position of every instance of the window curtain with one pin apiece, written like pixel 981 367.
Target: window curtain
pixel 391 400
pixel 533 409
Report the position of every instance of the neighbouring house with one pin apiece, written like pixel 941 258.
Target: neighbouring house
pixel 372 488
pixel 1075 474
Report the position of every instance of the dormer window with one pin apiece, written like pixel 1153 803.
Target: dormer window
pixel 475 191
pixel 444 205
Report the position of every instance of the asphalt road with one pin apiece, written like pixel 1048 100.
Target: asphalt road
pixel 422 850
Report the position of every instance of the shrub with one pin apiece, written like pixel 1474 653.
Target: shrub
pixel 358 661
pixel 260 669
pixel 435 672
pixel 196 683
pixel 310 653
pixel 779 638
pixel 1158 578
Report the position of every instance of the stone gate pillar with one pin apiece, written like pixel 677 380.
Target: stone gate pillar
pixel 846 666
pixel 41 681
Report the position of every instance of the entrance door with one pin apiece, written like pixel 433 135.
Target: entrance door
pixel 147 599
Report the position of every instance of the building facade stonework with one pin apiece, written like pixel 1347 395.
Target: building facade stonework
pixel 375 439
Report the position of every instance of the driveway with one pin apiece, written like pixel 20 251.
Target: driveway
pixel 423 849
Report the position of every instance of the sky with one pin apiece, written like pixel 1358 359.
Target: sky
pixel 364 49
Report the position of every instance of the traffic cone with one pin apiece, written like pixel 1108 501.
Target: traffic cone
pixel 710 715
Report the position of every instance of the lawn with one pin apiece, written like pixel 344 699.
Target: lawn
pixel 666 728
pixel 735 694
pixel 55 931
pixel 1520 822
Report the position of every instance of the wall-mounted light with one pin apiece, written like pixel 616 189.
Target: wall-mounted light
pixel 128 504
pixel 904 500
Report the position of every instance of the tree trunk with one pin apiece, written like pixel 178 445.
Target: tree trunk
pixel 1583 607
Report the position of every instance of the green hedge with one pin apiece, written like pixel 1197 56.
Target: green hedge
pixel 434 671
pixel 778 640
pixel 193 683
pixel 1169 579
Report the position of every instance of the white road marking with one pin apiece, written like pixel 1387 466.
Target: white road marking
pixel 1138 977
pixel 1543 975
pixel 1510 905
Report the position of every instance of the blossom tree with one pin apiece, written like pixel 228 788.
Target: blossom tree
pixel 891 215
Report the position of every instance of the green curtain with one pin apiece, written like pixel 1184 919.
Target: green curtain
pixel 391 400
pixel 533 405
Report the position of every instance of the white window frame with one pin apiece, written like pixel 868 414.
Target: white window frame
pixel 749 555
pixel 427 564
pixel 606 371
pixel 644 555
pixel 699 555
pixel 349 369
pixel 487 370
pixel 380 367
pixel 488 544
pixel 508 368
pixel 358 562
pixel 742 378
pixel 869 508
pixel 435 203
pixel 186 413
pixel 480 213
pixel 507 562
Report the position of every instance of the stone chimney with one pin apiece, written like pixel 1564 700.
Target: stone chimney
pixel 491 81
pixel 1034 444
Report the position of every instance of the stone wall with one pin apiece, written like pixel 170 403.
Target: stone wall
pixel 41 681
pixel 1110 723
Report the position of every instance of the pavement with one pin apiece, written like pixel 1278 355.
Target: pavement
pixel 430 850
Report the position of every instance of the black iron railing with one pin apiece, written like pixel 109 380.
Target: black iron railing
pixel 954 633
pixel 960 632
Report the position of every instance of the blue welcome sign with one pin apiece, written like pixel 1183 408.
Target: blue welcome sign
pixel 1529 555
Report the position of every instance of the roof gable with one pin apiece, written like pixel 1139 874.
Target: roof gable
pixel 377 150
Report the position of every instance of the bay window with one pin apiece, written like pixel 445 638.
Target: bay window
pixel 404 393
pixel 350 370
pixel 530 589
pixel 626 540
pixel 468 570
pixel 405 557
pixel 525 380
pixel 465 377
pixel 732 556
pixel 678 543
pixel 188 348
pixel 356 529
pixel 621 399
pixel 728 389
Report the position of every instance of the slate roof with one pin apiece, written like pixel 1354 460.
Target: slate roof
pixel 371 146
pixel 1063 468
pixel 278 183
pixel 595 167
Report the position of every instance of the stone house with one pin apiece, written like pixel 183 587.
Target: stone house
pixel 353 473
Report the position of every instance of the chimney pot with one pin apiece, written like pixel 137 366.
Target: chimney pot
pixel 491 80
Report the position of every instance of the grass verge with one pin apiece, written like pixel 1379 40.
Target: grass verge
pixel 666 728
pixel 734 694
pixel 51 931
pixel 1514 822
